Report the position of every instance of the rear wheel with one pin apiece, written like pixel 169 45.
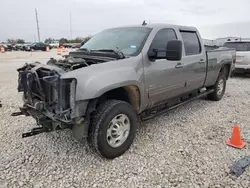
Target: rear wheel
pixel 113 128
pixel 219 88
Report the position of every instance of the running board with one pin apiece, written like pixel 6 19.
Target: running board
pixel 177 105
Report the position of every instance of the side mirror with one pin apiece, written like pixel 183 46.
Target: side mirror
pixel 174 50
pixel 157 54
pixel 153 54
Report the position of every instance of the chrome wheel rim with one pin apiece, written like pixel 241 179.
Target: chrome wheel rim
pixel 118 130
pixel 220 87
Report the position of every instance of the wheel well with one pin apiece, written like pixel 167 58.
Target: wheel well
pixel 226 70
pixel 129 94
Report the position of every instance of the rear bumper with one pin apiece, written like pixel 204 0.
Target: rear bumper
pixel 242 70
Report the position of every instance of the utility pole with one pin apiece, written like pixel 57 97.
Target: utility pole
pixel 70 27
pixel 37 26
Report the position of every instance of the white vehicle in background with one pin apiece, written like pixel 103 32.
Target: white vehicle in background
pixel 54 45
pixel 242 48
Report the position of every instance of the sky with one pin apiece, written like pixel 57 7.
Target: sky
pixel 213 18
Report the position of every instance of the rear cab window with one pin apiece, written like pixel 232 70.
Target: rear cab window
pixel 238 46
pixel 191 42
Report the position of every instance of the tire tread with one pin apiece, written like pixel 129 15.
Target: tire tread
pixel 213 96
pixel 96 121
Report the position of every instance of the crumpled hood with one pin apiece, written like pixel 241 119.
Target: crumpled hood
pixel 95 69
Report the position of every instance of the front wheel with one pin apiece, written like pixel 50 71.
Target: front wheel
pixel 113 128
pixel 219 88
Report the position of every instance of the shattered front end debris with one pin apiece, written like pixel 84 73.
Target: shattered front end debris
pixel 239 167
pixel 48 98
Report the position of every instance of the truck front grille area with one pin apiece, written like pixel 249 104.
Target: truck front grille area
pixel 44 91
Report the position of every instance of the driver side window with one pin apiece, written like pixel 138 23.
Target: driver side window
pixel 160 41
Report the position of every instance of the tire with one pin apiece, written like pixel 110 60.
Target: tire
pixel 102 122
pixel 219 87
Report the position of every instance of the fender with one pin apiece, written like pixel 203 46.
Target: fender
pixel 216 61
pixel 95 80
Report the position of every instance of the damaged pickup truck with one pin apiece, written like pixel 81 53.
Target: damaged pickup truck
pixel 118 77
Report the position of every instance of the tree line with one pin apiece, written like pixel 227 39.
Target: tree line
pixel 51 40
pixel 15 41
pixel 64 40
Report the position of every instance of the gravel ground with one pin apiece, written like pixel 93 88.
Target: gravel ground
pixel 183 148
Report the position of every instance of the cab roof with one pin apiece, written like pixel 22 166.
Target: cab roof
pixel 161 26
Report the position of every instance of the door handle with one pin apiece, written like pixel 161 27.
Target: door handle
pixel 179 65
pixel 201 61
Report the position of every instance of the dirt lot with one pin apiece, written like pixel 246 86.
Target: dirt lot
pixel 183 148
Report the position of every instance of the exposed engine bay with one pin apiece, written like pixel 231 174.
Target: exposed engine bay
pixel 71 63
pixel 79 59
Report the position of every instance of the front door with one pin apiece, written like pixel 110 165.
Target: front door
pixel 163 78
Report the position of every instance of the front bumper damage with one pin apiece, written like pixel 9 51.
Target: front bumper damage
pixel 49 99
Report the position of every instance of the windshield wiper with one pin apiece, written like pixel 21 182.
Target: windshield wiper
pixel 85 49
pixel 118 52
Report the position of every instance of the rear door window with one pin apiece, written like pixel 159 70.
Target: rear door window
pixel 238 46
pixel 191 42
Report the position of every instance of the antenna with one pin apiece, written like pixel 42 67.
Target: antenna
pixel 144 23
pixel 37 26
pixel 70 26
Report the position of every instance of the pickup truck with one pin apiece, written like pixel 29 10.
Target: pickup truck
pixel 38 46
pixel 242 48
pixel 118 78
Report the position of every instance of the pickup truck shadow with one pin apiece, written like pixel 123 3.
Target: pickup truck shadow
pixel 179 111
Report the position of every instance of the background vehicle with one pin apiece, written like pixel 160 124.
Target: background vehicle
pixel 38 46
pixel 7 47
pixel 54 45
pixel 67 45
pixel 209 47
pixel 242 48
pixel 18 47
pixel 4 46
pixel 71 45
pixel 76 45
pixel 26 47
pixel 100 90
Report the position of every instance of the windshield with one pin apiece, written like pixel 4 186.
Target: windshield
pixel 238 46
pixel 128 40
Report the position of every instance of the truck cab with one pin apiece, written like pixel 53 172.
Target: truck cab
pixel 165 78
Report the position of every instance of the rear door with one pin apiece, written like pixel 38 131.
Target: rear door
pixel 194 60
